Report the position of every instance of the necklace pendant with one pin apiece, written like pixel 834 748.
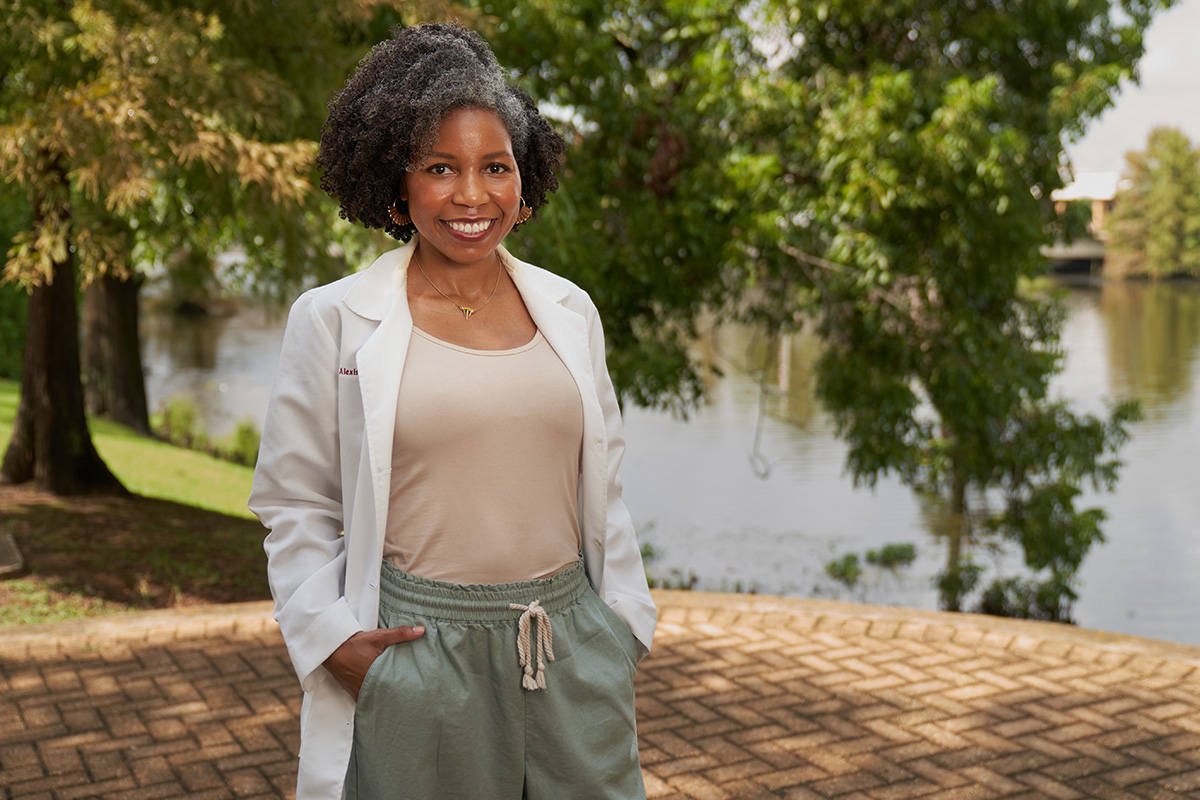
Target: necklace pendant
pixel 467 312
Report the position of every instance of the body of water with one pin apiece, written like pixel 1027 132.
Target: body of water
pixel 751 493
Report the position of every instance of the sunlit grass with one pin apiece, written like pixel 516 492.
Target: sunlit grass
pixel 10 392
pixel 152 468
pixel 28 601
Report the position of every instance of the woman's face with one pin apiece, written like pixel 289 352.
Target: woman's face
pixel 465 198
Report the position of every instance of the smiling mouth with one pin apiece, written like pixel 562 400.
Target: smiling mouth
pixel 469 228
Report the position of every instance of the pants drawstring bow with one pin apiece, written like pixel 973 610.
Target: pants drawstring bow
pixel 543 643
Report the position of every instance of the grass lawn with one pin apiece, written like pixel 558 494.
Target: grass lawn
pixel 184 538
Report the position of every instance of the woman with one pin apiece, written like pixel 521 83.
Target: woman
pixel 474 631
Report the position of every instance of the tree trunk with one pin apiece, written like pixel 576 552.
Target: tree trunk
pixel 114 381
pixel 956 529
pixel 50 443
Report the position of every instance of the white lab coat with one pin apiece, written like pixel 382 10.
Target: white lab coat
pixel 325 463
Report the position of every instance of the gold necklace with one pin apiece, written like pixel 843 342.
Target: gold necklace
pixel 467 311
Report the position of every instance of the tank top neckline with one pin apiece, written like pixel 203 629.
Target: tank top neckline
pixel 537 336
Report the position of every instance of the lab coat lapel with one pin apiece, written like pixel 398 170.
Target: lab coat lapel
pixel 566 332
pixel 382 296
pixel 564 329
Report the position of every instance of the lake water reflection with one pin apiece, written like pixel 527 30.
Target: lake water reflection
pixel 695 487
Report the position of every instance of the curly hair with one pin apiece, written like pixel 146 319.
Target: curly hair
pixel 385 120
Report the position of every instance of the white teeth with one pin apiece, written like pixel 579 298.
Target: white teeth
pixel 469 227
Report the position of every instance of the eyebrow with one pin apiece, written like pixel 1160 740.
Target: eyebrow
pixel 452 157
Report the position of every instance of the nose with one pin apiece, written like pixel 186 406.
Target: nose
pixel 470 190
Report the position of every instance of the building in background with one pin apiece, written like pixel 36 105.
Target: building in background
pixel 1085 254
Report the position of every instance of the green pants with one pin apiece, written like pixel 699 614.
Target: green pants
pixel 459 714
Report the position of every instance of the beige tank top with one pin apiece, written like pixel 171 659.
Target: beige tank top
pixel 485 463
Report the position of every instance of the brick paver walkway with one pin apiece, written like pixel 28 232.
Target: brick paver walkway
pixel 744 697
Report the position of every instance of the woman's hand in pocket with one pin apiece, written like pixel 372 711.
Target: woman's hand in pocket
pixel 350 662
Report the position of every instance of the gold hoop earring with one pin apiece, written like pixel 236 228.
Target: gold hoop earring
pixel 525 213
pixel 397 216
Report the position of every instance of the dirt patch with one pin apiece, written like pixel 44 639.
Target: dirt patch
pixel 109 553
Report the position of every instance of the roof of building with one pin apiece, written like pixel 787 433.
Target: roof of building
pixel 1091 186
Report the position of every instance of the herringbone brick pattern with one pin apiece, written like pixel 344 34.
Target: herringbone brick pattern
pixel 760 702
pixel 743 698
pixel 204 709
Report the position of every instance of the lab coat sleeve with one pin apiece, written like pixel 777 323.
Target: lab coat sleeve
pixel 624 585
pixel 297 494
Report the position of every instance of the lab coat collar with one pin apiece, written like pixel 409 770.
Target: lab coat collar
pixel 372 295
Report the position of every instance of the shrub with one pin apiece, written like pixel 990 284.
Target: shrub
pixel 845 570
pixel 179 423
pixel 243 447
pixel 1048 601
pixel 892 556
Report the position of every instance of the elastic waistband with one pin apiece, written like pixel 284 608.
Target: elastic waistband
pixel 402 593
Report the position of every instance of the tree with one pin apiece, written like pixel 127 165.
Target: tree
pixel 919 144
pixel 1154 230
pixel 651 96
pixel 114 383
pixel 102 108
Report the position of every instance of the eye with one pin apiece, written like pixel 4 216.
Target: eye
pixel 438 169
pixel 497 168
